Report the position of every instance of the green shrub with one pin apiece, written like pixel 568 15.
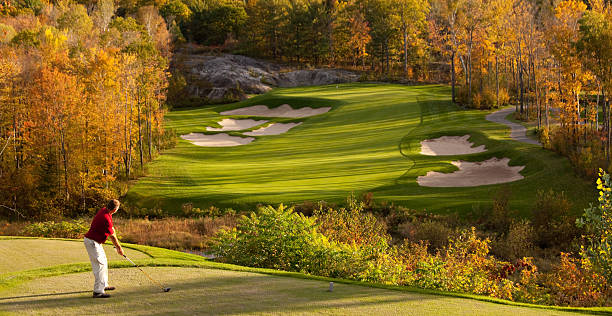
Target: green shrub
pixel 272 238
pixel 283 239
pixel 597 222
pixel 64 229
pixel 551 219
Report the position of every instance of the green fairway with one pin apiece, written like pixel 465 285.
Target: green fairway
pixel 368 142
pixel 203 287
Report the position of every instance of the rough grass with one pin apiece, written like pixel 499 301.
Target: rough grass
pixel 173 233
pixel 368 142
pixel 203 287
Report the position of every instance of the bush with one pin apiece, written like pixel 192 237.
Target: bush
pixel 574 283
pixel 597 222
pixel 464 266
pixel 7 33
pixel 65 229
pixel 350 226
pixel 517 243
pixel 435 234
pixel 272 238
pixel 551 219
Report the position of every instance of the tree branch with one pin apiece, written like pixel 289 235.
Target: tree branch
pixel 14 210
pixel 7 142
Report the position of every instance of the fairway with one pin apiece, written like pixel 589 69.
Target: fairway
pixel 368 142
pixel 203 287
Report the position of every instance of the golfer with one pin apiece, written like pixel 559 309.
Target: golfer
pixel 102 228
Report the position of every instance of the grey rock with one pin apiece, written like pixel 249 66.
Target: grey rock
pixel 233 77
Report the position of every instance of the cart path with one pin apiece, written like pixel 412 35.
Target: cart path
pixel 518 132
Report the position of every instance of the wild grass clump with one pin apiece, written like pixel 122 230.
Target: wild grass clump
pixel 172 233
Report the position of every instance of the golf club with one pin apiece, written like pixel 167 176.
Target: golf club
pixel 165 289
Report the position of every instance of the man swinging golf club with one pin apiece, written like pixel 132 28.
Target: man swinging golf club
pixel 101 229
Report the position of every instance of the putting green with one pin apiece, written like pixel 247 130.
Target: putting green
pixel 26 254
pixel 368 142
pixel 206 291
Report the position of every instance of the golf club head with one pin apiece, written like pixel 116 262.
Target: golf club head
pixel 166 289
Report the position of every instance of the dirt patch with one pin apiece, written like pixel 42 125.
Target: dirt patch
pixel 284 110
pixel 473 174
pixel 450 145
pixel 235 125
pixel 217 140
pixel 273 129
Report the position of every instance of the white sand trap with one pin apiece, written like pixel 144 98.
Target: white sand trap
pixel 473 174
pixel 450 145
pixel 273 129
pixel 217 140
pixel 284 110
pixel 235 125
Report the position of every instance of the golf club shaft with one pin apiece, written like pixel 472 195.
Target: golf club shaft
pixel 141 270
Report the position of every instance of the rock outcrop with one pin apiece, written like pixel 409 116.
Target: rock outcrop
pixel 233 77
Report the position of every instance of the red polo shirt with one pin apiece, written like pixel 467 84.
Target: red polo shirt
pixel 101 226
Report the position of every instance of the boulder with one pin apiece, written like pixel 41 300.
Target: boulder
pixel 233 77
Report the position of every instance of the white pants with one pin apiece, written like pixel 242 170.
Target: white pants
pixel 99 265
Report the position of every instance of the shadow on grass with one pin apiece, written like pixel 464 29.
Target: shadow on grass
pixel 42 295
pixel 219 295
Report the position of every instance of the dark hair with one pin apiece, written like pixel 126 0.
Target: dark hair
pixel 112 204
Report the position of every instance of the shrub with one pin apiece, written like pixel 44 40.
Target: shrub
pixel 7 33
pixel 501 216
pixel 517 243
pixel 434 233
pixel 574 282
pixel 504 97
pixel 551 219
pixel 272 238
pixel 527 279
pixel 463 266
pixel 351 226
pixel 597 222
pixel 146 212
pixel 64 229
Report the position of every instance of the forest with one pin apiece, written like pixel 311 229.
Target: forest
pixel 84 83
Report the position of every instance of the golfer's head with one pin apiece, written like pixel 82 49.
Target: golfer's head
pixel 113 206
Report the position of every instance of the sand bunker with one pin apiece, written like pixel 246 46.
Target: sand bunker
pixel 217 140
pixel 473 174
pixel 235 125
pixel 273 129
pixel 284 110
pixel 450 145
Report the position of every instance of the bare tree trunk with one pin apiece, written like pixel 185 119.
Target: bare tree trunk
pixel 520 74
pixel 138 105
pixel 65 158
pixel 405 51
pixel 496 82
pixel 453 80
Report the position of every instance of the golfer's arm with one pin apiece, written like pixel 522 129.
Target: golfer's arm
pixel 114 240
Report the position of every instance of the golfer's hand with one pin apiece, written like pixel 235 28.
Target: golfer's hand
pixel 120 251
